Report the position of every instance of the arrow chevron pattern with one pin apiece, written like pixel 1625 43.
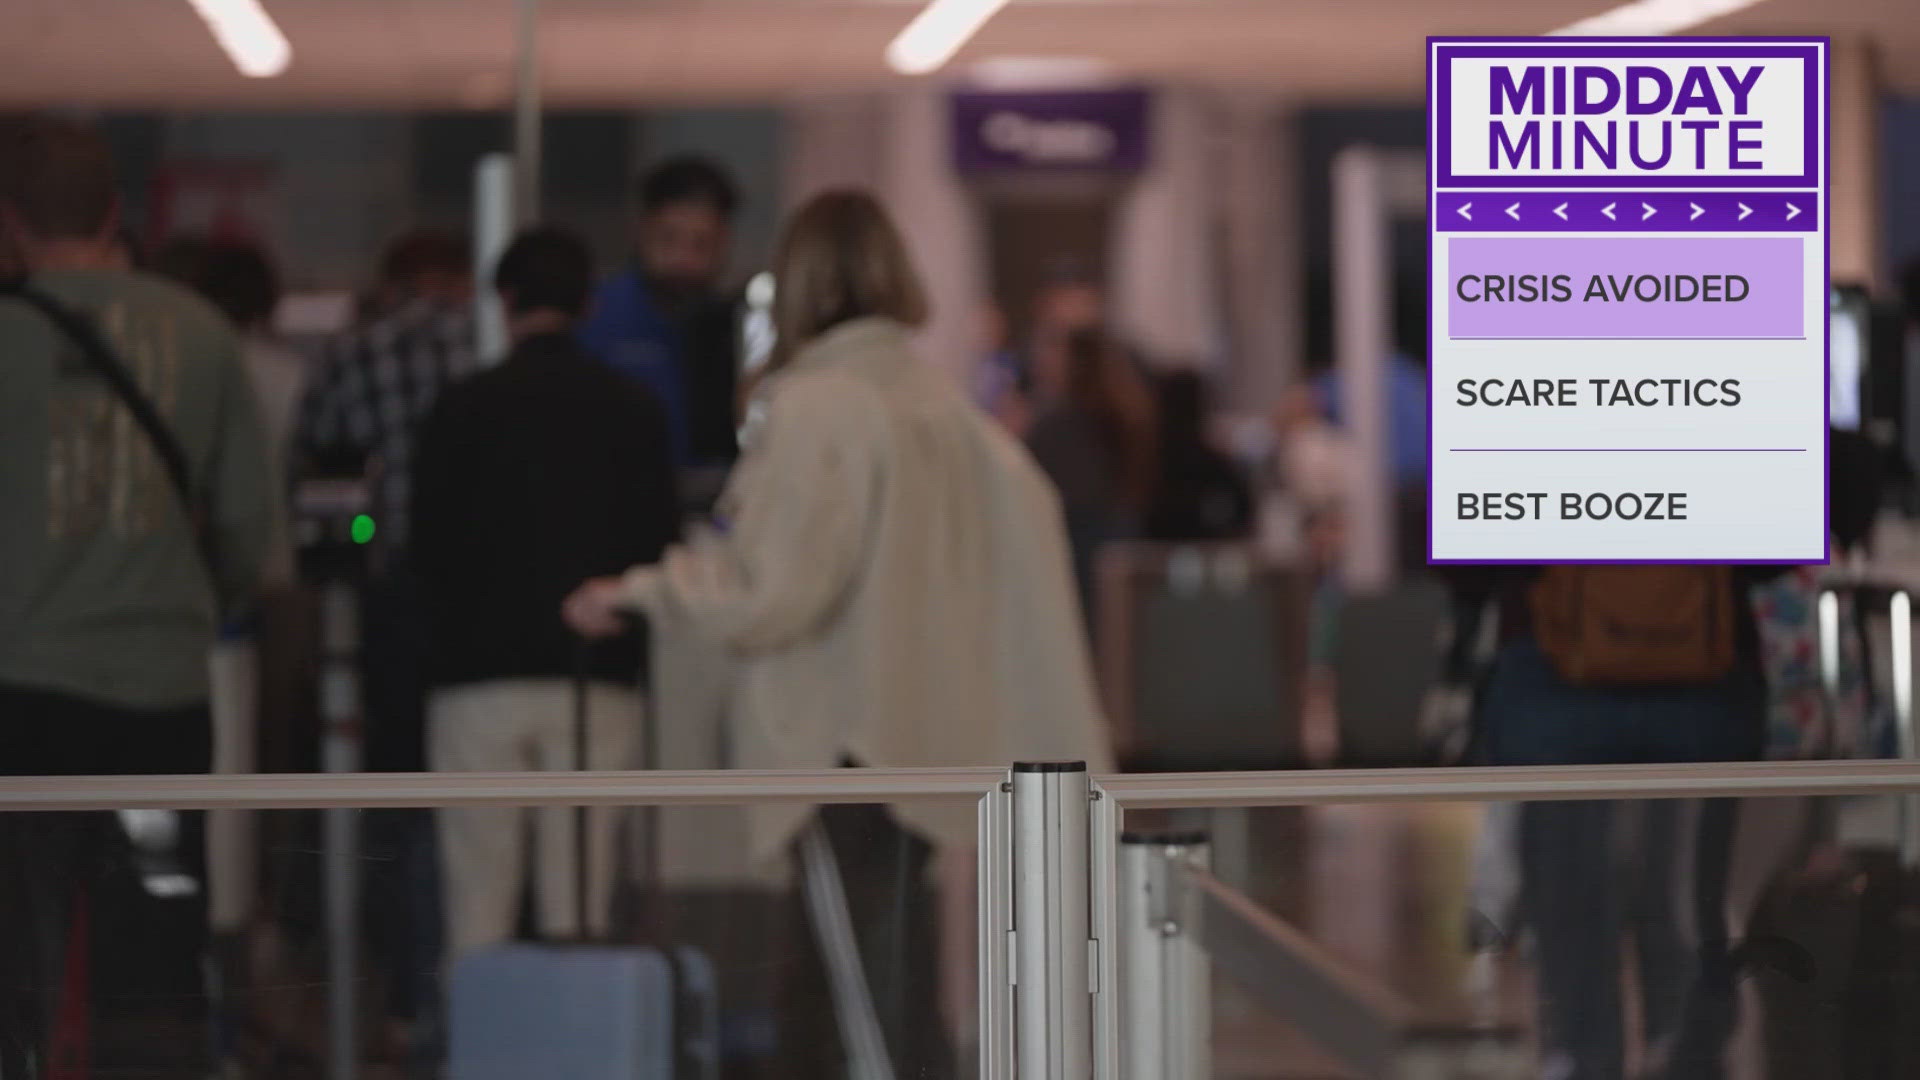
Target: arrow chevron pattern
pixel 1549 211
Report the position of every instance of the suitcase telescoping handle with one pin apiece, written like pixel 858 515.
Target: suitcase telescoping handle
pixel 650 886
pixel 688 1043
pixel 582 676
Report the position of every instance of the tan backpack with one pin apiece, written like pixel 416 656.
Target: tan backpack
pixel 1625 625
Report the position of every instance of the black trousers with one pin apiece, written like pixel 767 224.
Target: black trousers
pixel 145 1004
pixel 895 915
pixel 400 900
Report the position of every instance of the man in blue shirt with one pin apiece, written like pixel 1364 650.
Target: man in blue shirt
pixel 1406 450
pixel 1406 417
pixel 666 320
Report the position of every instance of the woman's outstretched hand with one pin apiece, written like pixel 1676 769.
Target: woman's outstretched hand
pixel 594 609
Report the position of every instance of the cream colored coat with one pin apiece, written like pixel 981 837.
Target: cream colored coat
pixel 892 584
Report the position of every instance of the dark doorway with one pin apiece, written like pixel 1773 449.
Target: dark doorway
pixel 1036 238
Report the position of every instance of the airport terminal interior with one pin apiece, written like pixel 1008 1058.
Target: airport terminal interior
pixel 872 539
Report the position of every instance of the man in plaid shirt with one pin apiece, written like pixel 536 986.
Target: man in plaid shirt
pixel 379 379
pixel 376 384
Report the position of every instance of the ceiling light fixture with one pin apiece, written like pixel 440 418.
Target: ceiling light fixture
pixel 934 35
pixel 248 34
pixel 1652 18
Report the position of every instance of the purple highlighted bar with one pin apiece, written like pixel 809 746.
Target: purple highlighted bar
pixel 1625 287
pixel 1626 211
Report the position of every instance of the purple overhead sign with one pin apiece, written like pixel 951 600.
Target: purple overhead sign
pixel 1099 130
pixel 1628 297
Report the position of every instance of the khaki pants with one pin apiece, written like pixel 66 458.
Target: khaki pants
pixel 512 725
pixel 232 869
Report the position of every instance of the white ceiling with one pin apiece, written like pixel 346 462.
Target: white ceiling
pixel 156 53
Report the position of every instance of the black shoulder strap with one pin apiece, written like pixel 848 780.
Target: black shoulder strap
pixel 80 330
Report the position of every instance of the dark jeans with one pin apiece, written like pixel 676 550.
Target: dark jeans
pixel 145 1003
pixel 393 658
pixel 401 899
pixel 895 916
pixel 1574 899
pixel 401 910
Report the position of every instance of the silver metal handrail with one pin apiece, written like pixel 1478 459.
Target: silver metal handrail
pixel 311 791
pixel 1511 783
pixel 299 791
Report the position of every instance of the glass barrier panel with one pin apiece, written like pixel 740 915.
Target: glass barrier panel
pixel 1747 938
pixel 128 951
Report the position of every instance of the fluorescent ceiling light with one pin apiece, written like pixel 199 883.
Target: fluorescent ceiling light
pixel 248 34
pixel 935 34
pixel 1651 18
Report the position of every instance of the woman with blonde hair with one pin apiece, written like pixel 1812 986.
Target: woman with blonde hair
pixel 891 577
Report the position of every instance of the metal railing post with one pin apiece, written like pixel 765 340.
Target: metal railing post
pixel 340 839
pixel 1053 947
pixel 493 228
pixel 1103 905
pixel 1906 737
pixel 1165 979
pixel 996 933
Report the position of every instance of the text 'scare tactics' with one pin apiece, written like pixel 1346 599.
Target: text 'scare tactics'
pixel 1628 299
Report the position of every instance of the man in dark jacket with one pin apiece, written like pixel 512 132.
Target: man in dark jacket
pixel 533 476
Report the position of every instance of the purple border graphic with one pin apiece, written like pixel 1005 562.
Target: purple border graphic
pixel 1819 48
pixel 1442 105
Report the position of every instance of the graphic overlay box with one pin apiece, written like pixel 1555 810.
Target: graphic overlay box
pixel 1628 299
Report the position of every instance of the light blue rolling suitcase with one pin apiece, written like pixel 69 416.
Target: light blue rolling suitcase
pixel 583 1012
pixel 588 1010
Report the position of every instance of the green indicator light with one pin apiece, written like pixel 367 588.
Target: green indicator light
pixel 362 528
